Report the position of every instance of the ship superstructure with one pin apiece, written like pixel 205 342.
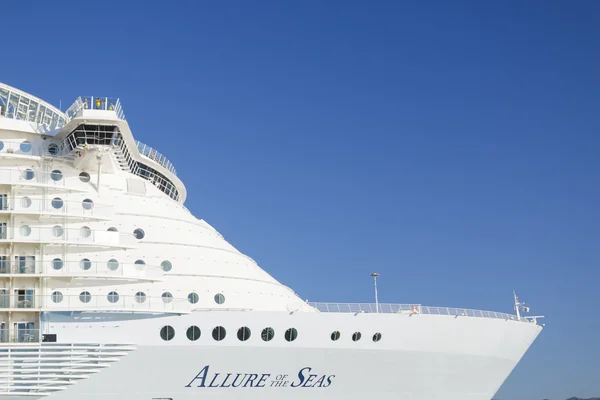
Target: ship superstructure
pixel 109 286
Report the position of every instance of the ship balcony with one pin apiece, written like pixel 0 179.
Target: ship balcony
pixel 23 148
pixel 19 335
pixel 111 302
pixel 56 208
pixel 57 235
pixel 111 270
pixel 28 177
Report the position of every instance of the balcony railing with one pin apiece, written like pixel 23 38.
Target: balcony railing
pixel 155 156
pixel 82 268
pixel 59 235
pixel 112 301
pixel 95 103
pixel 57 207
pixel 19 335
pixel 25 148
pixel 408 309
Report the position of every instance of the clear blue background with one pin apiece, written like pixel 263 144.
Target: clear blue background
pixel 453 147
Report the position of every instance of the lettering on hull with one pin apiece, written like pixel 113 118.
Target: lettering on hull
pixel 305 378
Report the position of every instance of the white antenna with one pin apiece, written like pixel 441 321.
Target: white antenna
pixel 517 306
pixel 375 275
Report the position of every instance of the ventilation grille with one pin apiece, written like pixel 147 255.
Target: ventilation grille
pixel 51 367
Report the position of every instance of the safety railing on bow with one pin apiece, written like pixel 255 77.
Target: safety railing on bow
pixel 155 156
pixel 408 309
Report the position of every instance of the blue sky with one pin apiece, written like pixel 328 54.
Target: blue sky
pixel 450 146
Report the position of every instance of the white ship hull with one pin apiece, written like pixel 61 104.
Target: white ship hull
pixel 418 357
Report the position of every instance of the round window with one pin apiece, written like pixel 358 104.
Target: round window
pixel 138 233
pixel 140 297
pixel 243 333
pixel 267 334
pixel 52 149
pixel 112 264
pixel 335 335
pixel 57 202
pixel 25 230
pixel 25 202
pixel 193 333
pixel 167 297
pixel 356 336
pixel 57 263
pixel 87 204
pixel 57 297
pixel 85 231
pixel 140 265
pixel 112 229
pixel 291 334
pixel 85 297
pixel 377 337
pixel 219 298
pixel 84 177
pixel 1 145
pixel 85 264
pixel 57 231
pixel 219 333
pixel 167 333
pixel 166 266
pixel 56 175
pixel 113 297
pixel 28 174
pixel 193 298
pixel 25 147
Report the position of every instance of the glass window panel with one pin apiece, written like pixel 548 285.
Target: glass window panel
pixel 12 105
pixel 33 106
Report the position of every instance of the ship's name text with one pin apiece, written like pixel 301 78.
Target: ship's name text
pixel 305 378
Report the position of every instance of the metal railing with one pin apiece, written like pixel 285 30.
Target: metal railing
pixel 155 156
pixel 29 176
pixel 60 235
pixel 57 206
pixel 86 300
pixel 24 147
pixel 95 103
pixel 86 268
pixel 409 309
pixel 19 335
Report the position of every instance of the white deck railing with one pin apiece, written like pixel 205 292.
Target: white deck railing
pixel 409 309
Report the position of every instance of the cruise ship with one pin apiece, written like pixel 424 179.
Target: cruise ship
pixel 111 289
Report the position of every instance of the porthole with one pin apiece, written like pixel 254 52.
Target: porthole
pixel 112 264
pixel 85 264
pixel 193 333
pixel 52 149
pixel 193 298
pixel 140 297
pixel 167 297
pixel 57 297
pixel 243 333
pixel 85 297
pixel 112 229
pixel 166 265
pixel 25 230
pixel 140 265
pixel 28 174
pixel 87 204
pixel 85 231
pixel 377 337
pixel 57 231
pixel 139 234
pixel 335 335
pixel 57 202
pixel 219 333
pixel 84 177
pixel 291 334
pixel 25 147
pixel 356 336
pixel 167 333
pixel 57 264
pixel 267 334
pixel 219 298
pixel 1 145
pixel 25 202
pixel 56 175
pixel 113 297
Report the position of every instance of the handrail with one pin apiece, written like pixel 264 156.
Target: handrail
pixel 409 309
pixel 155 156
pixel 95 103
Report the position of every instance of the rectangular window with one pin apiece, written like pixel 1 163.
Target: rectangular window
pixel 24 265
